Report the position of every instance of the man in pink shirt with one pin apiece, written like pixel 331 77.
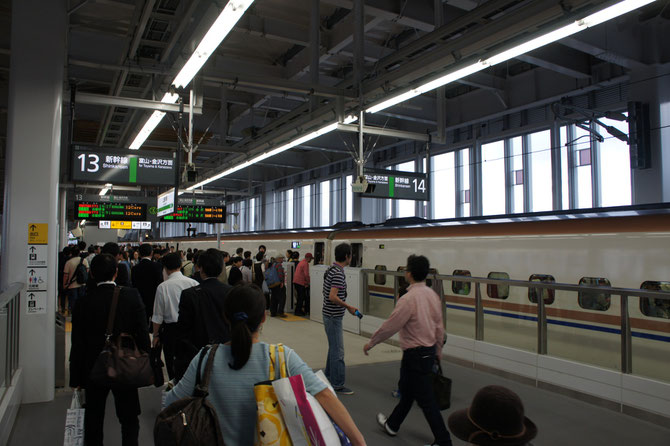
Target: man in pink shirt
pixel 418 318
pixel 301 282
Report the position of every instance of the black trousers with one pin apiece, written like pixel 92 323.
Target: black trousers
pixel 168 340
pixel 302 303
pixel 277 300
pixel 416 384
pixel 127 403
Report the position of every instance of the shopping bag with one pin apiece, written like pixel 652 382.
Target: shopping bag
pixel 74 422
pixel 307 422
pixel 344 440
pixel 442 388
pixel 270 427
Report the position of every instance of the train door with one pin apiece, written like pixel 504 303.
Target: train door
pixel 356 255
pixel 319 253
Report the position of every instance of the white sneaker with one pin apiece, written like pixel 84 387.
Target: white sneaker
pixel 381 420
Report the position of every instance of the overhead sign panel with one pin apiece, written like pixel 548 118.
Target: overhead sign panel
pixel 123 167
pixel 166 203
pixel 397 185
pixel 95 210
pixel 197 210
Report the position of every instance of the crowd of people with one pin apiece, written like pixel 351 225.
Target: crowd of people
pixel 181 302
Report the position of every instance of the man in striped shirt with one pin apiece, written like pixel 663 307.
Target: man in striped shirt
pixel 334 305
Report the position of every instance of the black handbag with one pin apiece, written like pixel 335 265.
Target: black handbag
pixel 121 364
pixel 442 388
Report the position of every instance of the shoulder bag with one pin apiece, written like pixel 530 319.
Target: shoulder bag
pixel 191 421
pixel 121 364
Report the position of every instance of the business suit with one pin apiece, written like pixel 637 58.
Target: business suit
pixel 89 323
pixel 146 276
pixel 200 321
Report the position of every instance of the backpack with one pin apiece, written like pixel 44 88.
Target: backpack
pixel 191 421
pixel 272 277
pixel 80 274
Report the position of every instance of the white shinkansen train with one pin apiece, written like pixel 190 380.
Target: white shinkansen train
pixel 619 248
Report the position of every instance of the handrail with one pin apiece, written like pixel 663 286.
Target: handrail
pixel 10 292
pixel 542 335
pixel 527 284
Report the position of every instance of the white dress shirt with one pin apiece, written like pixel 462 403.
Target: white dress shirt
pixel 168 293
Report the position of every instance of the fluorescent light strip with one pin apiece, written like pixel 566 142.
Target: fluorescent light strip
pixel 230 15
pixel 296 142
pixel 594 19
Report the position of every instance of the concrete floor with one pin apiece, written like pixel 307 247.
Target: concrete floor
pixel 560 419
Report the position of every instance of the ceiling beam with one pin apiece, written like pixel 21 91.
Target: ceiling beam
pixel 608 55
pixel 560 59
pixel 417 15
pixel 274 29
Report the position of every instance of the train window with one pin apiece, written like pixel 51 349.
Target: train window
pixel 318 253
pixel 655 307
pixel 498 291
pixel 594 301
pixel 534 293
pixel 356 255
pixel 461 287
pixel 402 283
pixel 380 279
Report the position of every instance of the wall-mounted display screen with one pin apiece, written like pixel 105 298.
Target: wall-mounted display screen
pixel 95 210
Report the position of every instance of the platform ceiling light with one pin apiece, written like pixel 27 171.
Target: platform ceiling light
pixel 296 142
pixel 230 15
pixel 594 19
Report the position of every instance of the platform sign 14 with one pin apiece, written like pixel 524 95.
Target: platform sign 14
pixel 396 184
pixel 123 167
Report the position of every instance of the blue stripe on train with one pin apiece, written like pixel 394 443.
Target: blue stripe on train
pixel 384 296
pixel 565 323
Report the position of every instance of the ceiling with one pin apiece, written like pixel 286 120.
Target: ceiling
pixel 257 89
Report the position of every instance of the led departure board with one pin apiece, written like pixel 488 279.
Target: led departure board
pixel 123 167
pixel 197 211
pixel 95 210
pixel 396 184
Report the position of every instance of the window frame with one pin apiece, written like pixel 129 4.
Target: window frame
pixel 581 294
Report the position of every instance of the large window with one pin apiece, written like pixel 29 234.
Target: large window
pixel 325 203
pixel 565 169
pixel 306 220
pixel 581 152
pixel 252 214
pixel 518 175
pixel 615 182
pixel 444 185
pixel 464 187
pixel 349 202
pixel 288 202
pixel 405 208
pixel 493 178
pixel 540 165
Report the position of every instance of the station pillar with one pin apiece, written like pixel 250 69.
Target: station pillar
pixel 649 85
pixel 36 77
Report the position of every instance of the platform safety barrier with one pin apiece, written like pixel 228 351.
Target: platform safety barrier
pixel 542 338
pixel 9 335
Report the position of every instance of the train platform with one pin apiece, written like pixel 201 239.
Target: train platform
pixel 560 419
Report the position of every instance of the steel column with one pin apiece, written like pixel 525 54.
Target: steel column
pixel 541 325
pixel 626 338
pixel 479 314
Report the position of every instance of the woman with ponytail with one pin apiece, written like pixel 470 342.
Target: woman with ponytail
pixel 245 361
